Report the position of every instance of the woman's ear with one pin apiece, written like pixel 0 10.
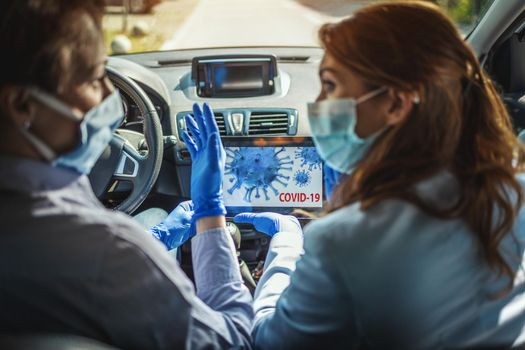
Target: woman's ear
pixel 15 104
pixel 402 103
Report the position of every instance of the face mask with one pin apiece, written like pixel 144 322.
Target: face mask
pixel 96 130
pixel 333 125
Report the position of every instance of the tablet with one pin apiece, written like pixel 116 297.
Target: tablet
pixel 278 174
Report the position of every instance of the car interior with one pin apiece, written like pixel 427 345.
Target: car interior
pixel 504 63
pixel 258 94
pixel 259 97
pixel 165 85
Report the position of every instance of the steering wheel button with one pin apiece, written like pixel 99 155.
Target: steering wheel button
pixel 127 166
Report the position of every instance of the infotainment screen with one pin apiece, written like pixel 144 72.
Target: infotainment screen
pixel 272 174
pixel 237 78
pixel 234 76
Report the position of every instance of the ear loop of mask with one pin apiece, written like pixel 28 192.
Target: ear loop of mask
pixel 416 99
pixel 371 95
pixel 44 150
pixel 55 104
pixel 52 102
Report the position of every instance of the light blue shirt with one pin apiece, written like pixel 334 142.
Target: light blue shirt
pixel 70 266
pixel 390 277
pixel 521 136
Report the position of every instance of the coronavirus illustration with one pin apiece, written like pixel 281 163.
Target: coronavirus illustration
pixel 309 157
pixel 302 178
pixel 257 169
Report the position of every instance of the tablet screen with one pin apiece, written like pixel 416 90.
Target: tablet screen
pixel 286 177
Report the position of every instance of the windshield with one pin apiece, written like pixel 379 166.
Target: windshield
pixel 153 25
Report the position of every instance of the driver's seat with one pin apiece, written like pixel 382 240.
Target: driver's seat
pixel 51 342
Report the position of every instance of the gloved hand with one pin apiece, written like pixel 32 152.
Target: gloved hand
pixel 176 229
pixel 208 161
pixel 332 178
pixel 270 223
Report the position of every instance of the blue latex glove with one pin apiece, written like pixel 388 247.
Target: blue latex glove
pixel 332 178
pixel 176 229
pixel 208 161
pixel 270 223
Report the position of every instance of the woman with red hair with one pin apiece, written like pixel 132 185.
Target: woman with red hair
pixel 422 243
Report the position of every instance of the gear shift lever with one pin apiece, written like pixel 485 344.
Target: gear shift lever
pixel 245 271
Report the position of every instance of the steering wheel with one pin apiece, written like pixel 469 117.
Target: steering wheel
pixel 121 161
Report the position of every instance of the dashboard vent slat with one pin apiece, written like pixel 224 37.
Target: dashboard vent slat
pixel 266 122
pixel 266 115
pixel 219 118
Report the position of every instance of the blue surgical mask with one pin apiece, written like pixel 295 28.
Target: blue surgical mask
pixel 333 123
pixel 96 130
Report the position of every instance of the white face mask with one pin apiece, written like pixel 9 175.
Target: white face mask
pixel 96 130
pixel 333 123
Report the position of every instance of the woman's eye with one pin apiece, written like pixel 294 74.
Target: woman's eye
pixel 95 82
pixel 99 80
pixel 328 86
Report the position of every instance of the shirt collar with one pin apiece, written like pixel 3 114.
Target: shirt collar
pixel 31 175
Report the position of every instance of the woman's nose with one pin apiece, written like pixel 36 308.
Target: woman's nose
pixel 108 87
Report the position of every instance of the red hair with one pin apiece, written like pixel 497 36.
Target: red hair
pixel 460 125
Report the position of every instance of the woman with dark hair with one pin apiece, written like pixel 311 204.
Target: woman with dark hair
pixel 68 266
pixel 422 244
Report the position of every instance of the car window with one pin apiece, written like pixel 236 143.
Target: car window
pixel 153 25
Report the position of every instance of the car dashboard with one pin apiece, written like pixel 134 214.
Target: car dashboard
pixel 168 78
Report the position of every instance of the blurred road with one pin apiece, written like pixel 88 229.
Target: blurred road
pixel 183 24
pixel 338 8
pixel 248 23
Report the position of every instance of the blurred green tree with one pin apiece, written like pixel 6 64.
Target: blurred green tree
pixel 465 12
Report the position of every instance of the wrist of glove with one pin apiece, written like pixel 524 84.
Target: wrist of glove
pixel 173 238
pixel 209 207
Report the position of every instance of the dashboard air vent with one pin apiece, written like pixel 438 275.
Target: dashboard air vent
pixel 219 117
pixel 268 123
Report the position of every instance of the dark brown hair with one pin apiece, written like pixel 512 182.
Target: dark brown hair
pixel 461 124
pixel 41 40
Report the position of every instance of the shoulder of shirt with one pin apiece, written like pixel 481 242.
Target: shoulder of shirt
pixel 345 224
pixel 121 226
pixel 142 246
pixel 99 221
pixel 351 226
pixel 521 178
